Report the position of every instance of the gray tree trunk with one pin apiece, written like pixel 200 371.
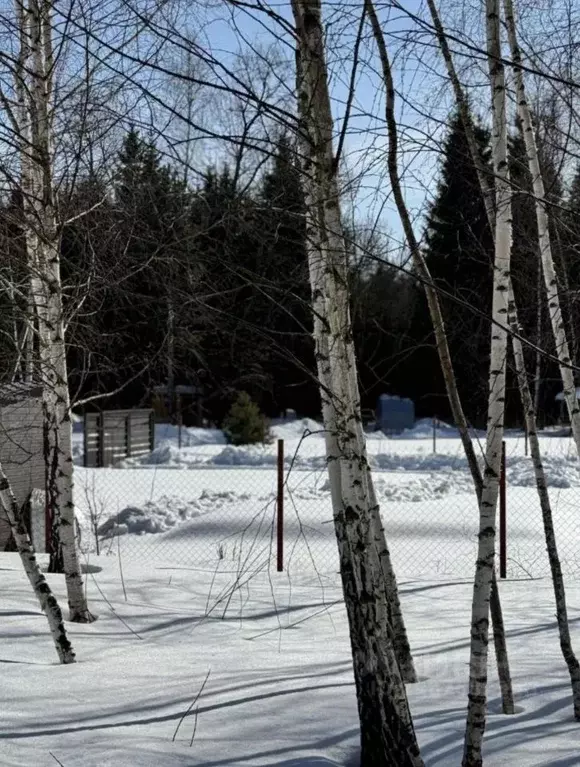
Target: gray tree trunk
pixel 387 733
pixel 548 266
pixel 442 347
pixel 33 85
pixel 476 708
pixel 46 599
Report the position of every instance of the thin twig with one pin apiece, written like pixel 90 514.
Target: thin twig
pixel 193 702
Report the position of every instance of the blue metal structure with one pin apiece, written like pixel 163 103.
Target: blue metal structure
pixel 394 414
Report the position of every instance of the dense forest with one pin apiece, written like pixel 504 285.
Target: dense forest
pixel 173 284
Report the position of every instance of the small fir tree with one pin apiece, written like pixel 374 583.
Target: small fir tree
pixel 244 424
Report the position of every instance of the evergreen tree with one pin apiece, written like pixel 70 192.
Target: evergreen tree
pixel 458 252
pixel 527 275
pixel 135 249
pixel 285 263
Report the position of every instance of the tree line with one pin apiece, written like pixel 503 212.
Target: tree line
pixel 206 284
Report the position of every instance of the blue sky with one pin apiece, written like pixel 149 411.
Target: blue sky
pixel 229 34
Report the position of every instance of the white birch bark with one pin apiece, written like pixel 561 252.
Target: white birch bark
pixel 548 266
pixel 476 709
pixel 442 347
pixel 335 241
pixel 547 520
pixel 488 193
pixel 528 405
pixel 387 734
pixel 34 82
pixel 46 599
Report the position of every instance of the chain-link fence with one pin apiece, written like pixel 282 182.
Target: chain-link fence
pixel 214 505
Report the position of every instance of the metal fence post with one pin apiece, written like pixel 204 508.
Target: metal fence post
pixel 502 517
pixel 280 509
pixel 179 422
pixel 85 440
pixel 101 444
pixel 128 436
pixel 434 433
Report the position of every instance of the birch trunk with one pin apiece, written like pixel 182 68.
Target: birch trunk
pixel 43 243
pixel 538 367
pixel 476 709
pixel 334 234
pixel 549 270
pixel 436 315
pixel 529 406
pixel 387 733
pixel 46 599
pixel 549 533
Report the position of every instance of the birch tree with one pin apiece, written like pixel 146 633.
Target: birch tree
pixel 442 344
pixel 387 733
pixel 528 406
pixel 46 599
pixel 476 710
pixel 548 266
pixel 33 121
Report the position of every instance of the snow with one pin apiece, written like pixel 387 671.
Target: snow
pixel 280 689
pixel 189 535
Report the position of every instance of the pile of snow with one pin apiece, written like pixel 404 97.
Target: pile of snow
pixel 423 429
pixel 166 512
pixel 561 472
pixel 430 488
pixel 165 454
pixel 417 489
pixel 244 455
pixel 296 429
pixel 191 436
pixel 418 461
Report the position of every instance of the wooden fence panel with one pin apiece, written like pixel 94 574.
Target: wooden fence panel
pixel 112 435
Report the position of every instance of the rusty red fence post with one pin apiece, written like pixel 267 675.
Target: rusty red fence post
pixel 47 528
pixel 502 518
pixel 280 509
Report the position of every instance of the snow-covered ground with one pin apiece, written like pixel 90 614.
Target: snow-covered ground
pixel 214 503
pixel 280 690
pixel 186 584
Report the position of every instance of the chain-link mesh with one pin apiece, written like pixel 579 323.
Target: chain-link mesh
pixel 215 506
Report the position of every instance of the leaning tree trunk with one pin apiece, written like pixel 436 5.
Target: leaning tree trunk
pixel 529 407
pixel 476 710
pixel 44 265
pixel 46 599
pixel 548 522
pixel 337 245
pixel 550 278
pixel 387 733
pixel 538 365
pixel 442 347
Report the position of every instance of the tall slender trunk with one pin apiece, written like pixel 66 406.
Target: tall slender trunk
pixel 43 245
pixel 46 599
pixel 442 347
pixel 387 733
pixel 539 323
pixel 171 356
pixel 476 709
pixel 548 267
pixel 529 407
pixel 548 522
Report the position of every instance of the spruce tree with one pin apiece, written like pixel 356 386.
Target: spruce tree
pixel 458 251
pixel 284 262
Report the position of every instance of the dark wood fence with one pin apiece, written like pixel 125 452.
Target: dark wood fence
pixel 111 435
